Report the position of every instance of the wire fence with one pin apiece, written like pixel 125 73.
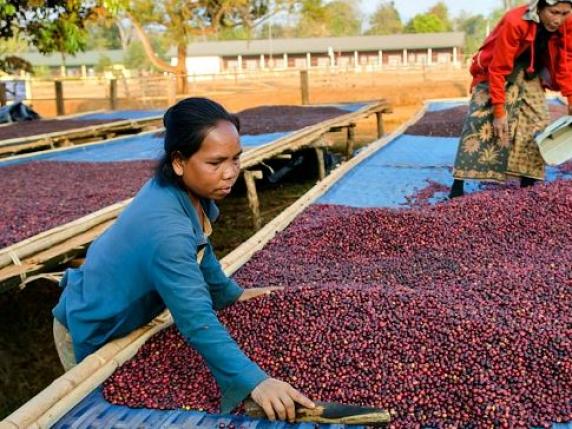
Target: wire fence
pixel 74 95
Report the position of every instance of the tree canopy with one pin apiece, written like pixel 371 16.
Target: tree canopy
pixel 425 23
pixel 335 18
pixel 52 26
pixel 385 20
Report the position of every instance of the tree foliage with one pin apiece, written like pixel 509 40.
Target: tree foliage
pixel 336 18
pixel 385 20
pixel 182 21
pixel 425 23
pixel 51 26
pixel 475 28
pixel 441 11
pixel 12 64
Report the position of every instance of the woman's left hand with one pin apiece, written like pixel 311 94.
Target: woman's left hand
pixel 257 291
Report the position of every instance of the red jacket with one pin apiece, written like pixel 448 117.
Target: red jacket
pixel 510 38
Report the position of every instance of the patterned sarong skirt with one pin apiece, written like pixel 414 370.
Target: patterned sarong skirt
pixel 482 156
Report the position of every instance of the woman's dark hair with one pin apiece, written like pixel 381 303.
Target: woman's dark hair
pixel 542 4
pixel 186 125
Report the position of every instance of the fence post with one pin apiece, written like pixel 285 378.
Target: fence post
pixel 305 87
pixel 113 94
pixel 60 107
pixel 3 94
pixel 171 90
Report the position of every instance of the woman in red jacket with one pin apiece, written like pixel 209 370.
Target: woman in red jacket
pixel 526 52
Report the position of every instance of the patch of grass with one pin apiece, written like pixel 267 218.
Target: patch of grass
pixel 28 358
pixel 236 225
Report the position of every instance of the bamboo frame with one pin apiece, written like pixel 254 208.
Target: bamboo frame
pixel 50 405
pixel 13 262
pixel 81 135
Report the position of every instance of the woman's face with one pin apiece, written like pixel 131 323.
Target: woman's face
pixel 213 169
pixel 552 17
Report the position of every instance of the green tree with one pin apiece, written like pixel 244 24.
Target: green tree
pixel 135 57
pixel 336 18
pixel 343 18
pixel 385 20
pixel 441 11
pixel 103 64
pixel 312 19
pixel 182 20
pixel 426 23
pixel 475 28
pixel 11 64
pixel 103 35
pixel 54 26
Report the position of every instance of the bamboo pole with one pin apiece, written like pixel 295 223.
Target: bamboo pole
pixel 83 132
pixel 63 394
pixel 56 235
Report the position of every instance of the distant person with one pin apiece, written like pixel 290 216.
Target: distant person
pixel 524 54
pixel 157 255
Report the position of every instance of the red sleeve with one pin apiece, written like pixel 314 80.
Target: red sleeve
pixel 502 64
pixel 564 64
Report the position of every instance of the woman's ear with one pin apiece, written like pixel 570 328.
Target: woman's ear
pixel 177 163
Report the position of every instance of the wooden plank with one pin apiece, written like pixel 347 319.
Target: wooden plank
pixel 50 405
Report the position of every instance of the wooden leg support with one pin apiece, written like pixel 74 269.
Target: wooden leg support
pixel 249 179
pixel 321 162
pixel 351 140
pixel 379 120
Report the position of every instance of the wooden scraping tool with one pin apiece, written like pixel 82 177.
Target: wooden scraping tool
pixel 330 412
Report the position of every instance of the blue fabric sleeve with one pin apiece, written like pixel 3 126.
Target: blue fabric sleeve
pixel 180 282
pixel 224 291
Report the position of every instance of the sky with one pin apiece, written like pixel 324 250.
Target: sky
pixel 409 8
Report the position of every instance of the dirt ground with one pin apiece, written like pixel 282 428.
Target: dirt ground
pixel 28 361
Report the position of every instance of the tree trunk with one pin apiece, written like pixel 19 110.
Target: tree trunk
pixel 123 35
pixel 180 70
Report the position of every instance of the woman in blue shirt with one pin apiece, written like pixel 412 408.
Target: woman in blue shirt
pixel 157 254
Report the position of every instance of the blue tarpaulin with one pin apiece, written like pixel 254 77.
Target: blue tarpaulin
pixel 134 148
pixel 121 114
pixel 95 413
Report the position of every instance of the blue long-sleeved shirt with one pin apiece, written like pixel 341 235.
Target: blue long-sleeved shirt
pixel 148 260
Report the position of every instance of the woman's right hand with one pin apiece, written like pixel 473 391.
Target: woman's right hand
pixel 500 127
pixel 278 399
